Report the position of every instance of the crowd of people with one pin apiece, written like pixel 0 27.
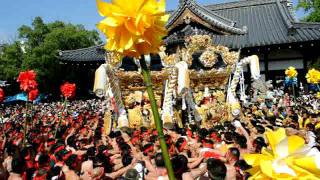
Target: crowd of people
pixel 79 148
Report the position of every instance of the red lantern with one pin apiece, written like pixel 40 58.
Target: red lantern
pixel 68 90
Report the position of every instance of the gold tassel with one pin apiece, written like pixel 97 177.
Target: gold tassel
pixel 107 123
pixel 178 118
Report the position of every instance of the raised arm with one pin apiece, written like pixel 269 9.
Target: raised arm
pixel 195 163
pixel 238 125
pixel 149 165
pixel 120 172
pixel 195 173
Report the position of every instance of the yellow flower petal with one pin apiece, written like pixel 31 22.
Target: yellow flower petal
pixel 313 76
pixel 274 137
pixel 291 72
pixel 308 163
pixel 132 28
pixel 107 9
pixel 258 175
pixel 136 27
pixel 295 143
pixel 266 168
pixel 111 21
pixel 126 40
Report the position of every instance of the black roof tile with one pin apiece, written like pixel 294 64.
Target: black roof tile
pixel 268 22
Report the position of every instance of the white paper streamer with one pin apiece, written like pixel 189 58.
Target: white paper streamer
pixel 100 80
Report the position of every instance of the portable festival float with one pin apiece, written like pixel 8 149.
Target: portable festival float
pixel 199 81
pixel 197 85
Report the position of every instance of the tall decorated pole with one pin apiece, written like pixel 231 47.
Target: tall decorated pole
pixel 2 96
pixel 134 29
pixel 68 91
pixel 29 85
pixel 313 77
pixel 291 79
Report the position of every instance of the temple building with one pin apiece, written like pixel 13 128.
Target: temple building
pixel 267 28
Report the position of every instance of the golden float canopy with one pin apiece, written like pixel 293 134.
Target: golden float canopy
pixel 214 78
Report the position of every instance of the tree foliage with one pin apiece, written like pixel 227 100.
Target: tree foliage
pixel 312 8
pixel 40 49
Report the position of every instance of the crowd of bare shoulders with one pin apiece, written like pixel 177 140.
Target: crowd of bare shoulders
pixel 79 149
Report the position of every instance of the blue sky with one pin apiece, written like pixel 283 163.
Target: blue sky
pixel 14 13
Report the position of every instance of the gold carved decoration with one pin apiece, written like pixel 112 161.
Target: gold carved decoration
pixel 168 61
pixel 133 81
pixel 114 59
pixel 133 87
pixel 208 59
pixel 209 52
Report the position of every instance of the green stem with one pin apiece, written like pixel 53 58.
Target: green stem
pixel 2 125
pixel 60 117
pixel 147 79
pixel 25 124
pixel 31 116
pixel 294 93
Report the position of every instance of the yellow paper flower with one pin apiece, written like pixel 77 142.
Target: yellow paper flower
pixel 288 157
pixel 318 95
pixel 291 72
pixel 133 27
pixel 313 76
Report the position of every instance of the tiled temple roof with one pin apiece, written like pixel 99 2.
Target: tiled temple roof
pixel 243 24
pixel 269 22
pixel 205 14
pixel 90 54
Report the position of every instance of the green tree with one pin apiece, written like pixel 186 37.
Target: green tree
pixel 312 8
pixel 40 49
pixel 10 63
pixel 11 60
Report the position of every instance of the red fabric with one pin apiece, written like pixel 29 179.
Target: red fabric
pixel 172 149
pixel 211 155
pixel 136 133
pixel 41 148
pixel 215 137
pixel 7 125
pixel 68 90
pixel 24 175
pixel 59 149
pixel 66 157
pixel 1 95
pixel 189 133
pixel 51 143
pixel 183 145
pixel 207 145
pixel 32 95
pixel 134 140
pixel 146 151
pixel 29 164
